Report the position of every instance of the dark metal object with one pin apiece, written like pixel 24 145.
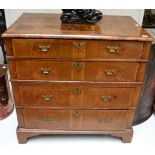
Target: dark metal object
pixel 80 16
pixel 145 105
pixel 2 29
pixel 149 18
pixel 6 105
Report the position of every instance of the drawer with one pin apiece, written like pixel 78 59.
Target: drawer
pixel 107 119
pixel 77 119
pixel 59 48
pixel 46 119
pixel 71 96
pixel 76 71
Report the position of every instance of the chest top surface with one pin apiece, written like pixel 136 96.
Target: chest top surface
pixel 36 25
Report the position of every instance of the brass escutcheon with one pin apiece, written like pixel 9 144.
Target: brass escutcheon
pixel 79 44
pixel 78 65
pixel 44 48
pixel 76 113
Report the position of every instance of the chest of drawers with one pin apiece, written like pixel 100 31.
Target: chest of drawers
pixel 76 79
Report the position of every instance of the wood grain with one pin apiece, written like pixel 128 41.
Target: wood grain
pixel 88 97
pixel 77 119
pixel 60 48
pixel 49 26
pixel 76 78
pixel 67 71
pixel 24 134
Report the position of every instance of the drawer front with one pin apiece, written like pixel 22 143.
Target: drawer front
pixel 69 96
pixel 50 48
pixel 77 119
pixel 42 48
pixel 107 119
pixel 74 71
pixel 46 119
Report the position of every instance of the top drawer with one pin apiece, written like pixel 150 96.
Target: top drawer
pixel 57 48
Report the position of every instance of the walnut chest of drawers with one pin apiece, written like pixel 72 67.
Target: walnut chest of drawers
pixel 76 79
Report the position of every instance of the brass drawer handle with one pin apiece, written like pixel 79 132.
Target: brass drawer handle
pixel 112 49
pixel 79 44
pixel 48 119
pixel 106 98
pixel 76 91
pixel 103 120
pixel 45 70
pixel 76 113
pixel 2 88
pixel 44 48
pixel 109 72
pixel 78 65
pixel 47 97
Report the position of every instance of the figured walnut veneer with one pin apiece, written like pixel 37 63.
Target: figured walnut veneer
pixel 76 78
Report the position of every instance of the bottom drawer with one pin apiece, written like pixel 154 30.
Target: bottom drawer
pixel 78 119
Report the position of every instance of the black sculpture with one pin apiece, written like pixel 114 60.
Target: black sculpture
pixel 80 16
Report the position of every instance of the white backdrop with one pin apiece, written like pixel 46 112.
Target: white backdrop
pixel 13 14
